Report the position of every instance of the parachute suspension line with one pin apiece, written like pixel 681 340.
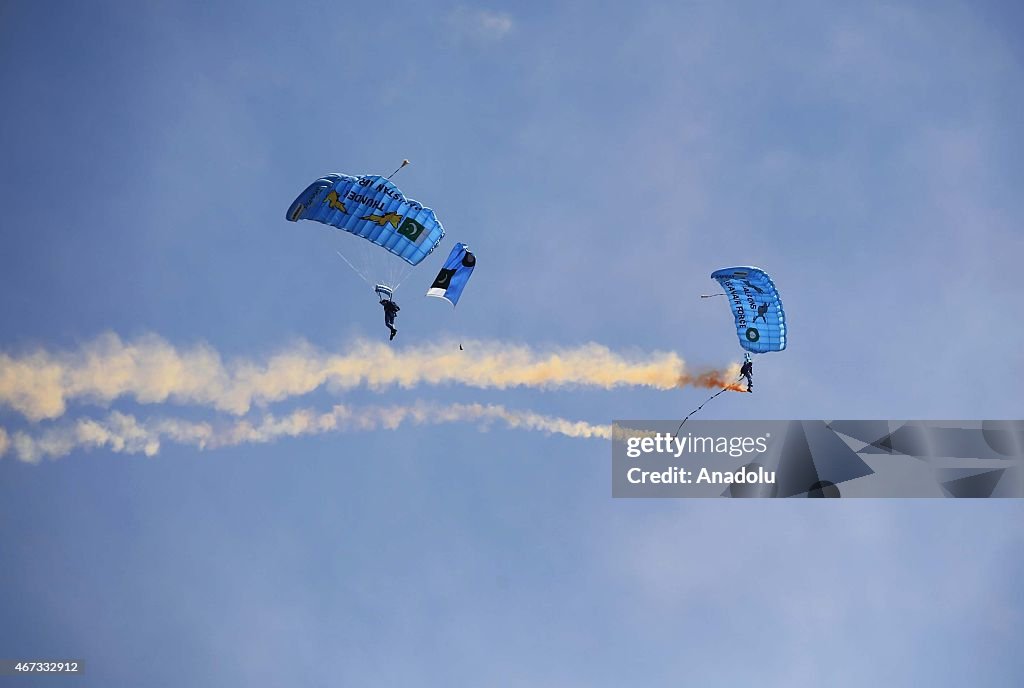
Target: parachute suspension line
pixel 708 296
pixel 357 259
pixel 698 409
pixel 388 271
pixel 370 260
pixel 404 163
pixel 354 268
pixel 403 271
pixel 399 271
pixel 365 256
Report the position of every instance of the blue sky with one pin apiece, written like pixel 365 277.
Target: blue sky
pixel 601 162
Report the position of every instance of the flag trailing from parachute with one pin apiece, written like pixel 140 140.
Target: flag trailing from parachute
pixel 454 275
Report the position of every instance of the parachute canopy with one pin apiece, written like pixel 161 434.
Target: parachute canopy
pixel 755 303
pixel 452 278
pixel 373 208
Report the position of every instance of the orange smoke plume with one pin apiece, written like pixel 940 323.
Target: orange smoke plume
pixel 714 379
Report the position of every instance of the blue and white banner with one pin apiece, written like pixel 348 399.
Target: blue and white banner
pixel 452 278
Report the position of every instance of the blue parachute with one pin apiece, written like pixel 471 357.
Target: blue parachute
pixel 373 208
pixel 755 303
pixel 452 278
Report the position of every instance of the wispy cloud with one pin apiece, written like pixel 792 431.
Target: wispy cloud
pixel 150 370
pixel 481 25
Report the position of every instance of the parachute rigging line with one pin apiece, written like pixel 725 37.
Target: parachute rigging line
pixel 724 389
pixel 354 268
pixel 404 163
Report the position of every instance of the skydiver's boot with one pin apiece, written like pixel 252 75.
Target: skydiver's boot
pixel 393 333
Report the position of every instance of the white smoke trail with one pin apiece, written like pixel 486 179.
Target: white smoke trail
pixel 150 370
pixel 123 433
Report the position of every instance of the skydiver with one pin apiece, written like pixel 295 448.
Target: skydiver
pixel 390 310
pixel 762 310
pixel 747 371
